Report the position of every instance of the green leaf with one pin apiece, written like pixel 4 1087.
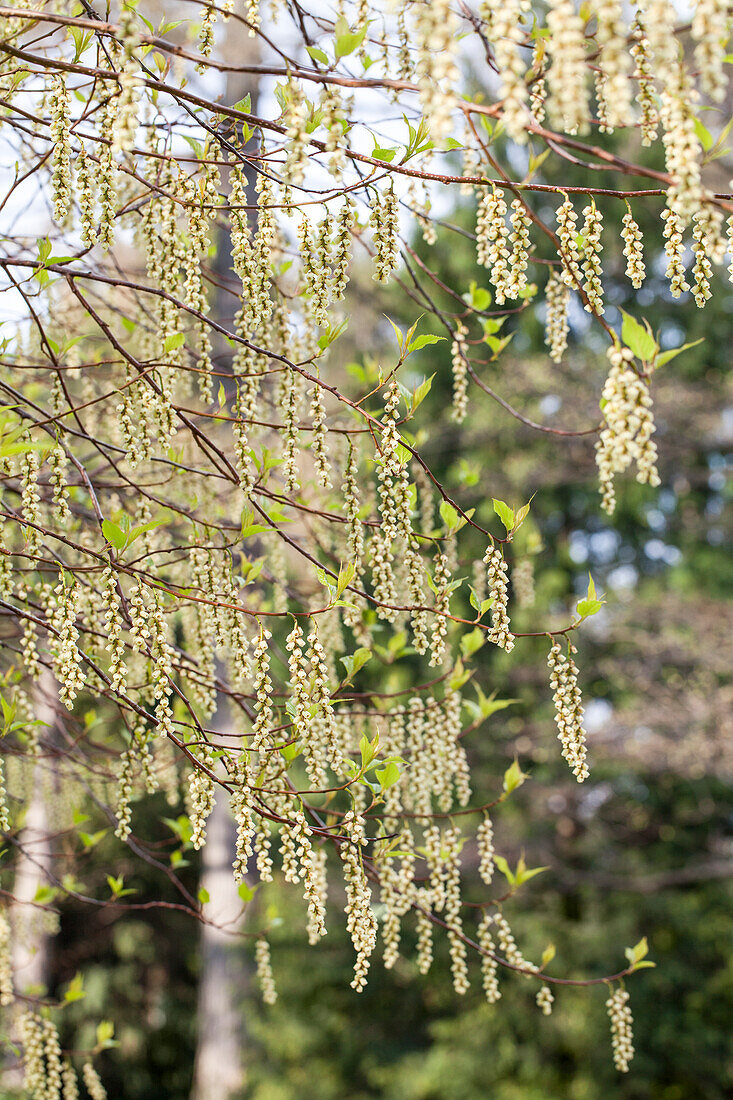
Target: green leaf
pixel 174 341
pixel 383 154
pixel 346 41
pixel 402 454
pixel 75 989
pixel 90 840
pixel 638 951
pixel 421 392
pixel 326 581
pixel 591 604
pixel 355 661
pixel 251 570
pixel 589 607
pixel 142 528
pixel 195 145
pixel 345 577
pixel 505 514
pixel 105 1031
pixel 247 892
pixel 513 777
pixel 668 356
pixel 81 41
pixel 704 136
pixel 398 334
pixel 114 534
pixel 637 955
pixel 638 338
pixel 478 297
pixel 528 292
pixel 459 676
pixel 497 346
pixel 719 149
pixel 521 515
pixel 44 895
pixel 203 895
pixel 505 869
pixel 292 751
pixel 524 873
pixel 332 333
pixel 368 750
pixel 117 886
pixel 472 642
pixel 394 649
pixel 547 956
pixel 244 105
pixel 181 827
pixel 405 394
pixel 165 28
pixel 9 449
pixel 9 710
pixel 250 526
pixel 479 605
pixel 449 515
pixel 489 704
pixel 423 341
pixel 535 163
pixel 317 54
pixel 388 775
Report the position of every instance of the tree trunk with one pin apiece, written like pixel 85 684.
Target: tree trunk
pixel 30 947
pixel 30 940
pixel 219 1065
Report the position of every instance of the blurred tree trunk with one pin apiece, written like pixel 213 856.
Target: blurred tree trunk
pixel 30 948
pixel 220 1064
pixel 30 942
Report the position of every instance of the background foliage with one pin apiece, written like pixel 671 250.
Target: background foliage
pixel 642 849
